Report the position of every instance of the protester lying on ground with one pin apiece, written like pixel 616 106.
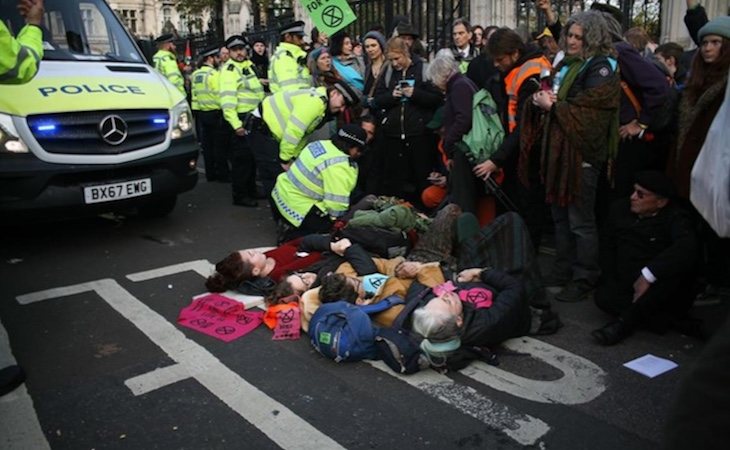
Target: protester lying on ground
pixel 483 308
pixel 263 269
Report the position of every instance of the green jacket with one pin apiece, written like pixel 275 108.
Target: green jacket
pixel 288 69
pixel 240 91
pixel 166 63
pixel 322 176
pixel 292 116
pixel 204 89
pixel 20 57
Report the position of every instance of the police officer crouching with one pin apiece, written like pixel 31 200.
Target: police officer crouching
pixel 280 125
pixel 316 189
pixel 240 93
pixel 207 110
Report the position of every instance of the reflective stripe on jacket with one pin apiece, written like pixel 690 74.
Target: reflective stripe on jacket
pixel 166 63
pixel 240 91
pixel 292 115
pixel 20 57
pixel 288 69
pixel 204 89
pixel 322 176
pixel 513 81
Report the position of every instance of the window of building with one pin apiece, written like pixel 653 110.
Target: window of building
pixel 130 19
pixel 166 15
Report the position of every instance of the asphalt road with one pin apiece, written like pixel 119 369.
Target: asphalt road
pixel 90 309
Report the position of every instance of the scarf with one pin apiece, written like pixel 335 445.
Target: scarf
pixel 575 131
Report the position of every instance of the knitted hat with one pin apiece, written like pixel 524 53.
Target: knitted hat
pixel 406 29
pixel 317 52
pixel 377 36
pixel 719 26
pixel 656 182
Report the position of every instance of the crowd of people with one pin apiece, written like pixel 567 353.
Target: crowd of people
pixel 600 129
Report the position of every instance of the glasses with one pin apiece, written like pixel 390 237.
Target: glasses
pixel 577 37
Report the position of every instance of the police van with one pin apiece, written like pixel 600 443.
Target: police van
pixel 97 129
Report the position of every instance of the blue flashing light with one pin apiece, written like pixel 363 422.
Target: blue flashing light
pixel 47 127
pixel 160 121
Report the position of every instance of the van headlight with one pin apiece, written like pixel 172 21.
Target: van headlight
pixel 10 142
pixel 182 120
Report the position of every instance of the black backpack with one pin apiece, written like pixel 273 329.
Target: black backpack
pixel 400 350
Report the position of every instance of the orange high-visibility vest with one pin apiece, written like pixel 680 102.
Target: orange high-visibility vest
pixel 513 83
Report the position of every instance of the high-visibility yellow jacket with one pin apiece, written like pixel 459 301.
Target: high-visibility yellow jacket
pixel 292 115
pixel 288 69
pixel 240 91
pixel 20 57
pixel 322 176
pixel 166 63
pixel 204 89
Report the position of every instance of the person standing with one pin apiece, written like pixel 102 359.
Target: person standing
pixel 315 191
pixel 288 70
pixel 583 134
pixel 464 51
pixel 165 62
pixel 20 58
pixel 240 93
pixel 260 60
pixel 207 109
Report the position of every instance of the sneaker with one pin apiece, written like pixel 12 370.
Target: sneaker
pixel 574 291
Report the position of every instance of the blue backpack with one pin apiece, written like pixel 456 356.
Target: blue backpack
pixel 343 332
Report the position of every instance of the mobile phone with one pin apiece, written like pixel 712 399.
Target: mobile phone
pixel 403 84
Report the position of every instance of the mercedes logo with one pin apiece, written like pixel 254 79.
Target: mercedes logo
pixel 113 130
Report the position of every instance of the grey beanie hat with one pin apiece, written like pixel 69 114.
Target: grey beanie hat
pixel 719 26
pixel 377 36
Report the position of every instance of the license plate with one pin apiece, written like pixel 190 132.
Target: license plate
pixel 117 191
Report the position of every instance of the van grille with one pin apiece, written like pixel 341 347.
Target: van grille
pixel 78 133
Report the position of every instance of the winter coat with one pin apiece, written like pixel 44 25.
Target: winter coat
pixel 407 118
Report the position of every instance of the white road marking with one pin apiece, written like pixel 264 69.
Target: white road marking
pixel 582 380
pixel 201 266
pixel 275 420
pixel 19 426
pixel 158 378
pixel 523 428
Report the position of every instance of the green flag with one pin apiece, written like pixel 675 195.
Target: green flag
pixel 329 16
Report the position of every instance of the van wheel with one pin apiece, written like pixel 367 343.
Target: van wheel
pixel 158 208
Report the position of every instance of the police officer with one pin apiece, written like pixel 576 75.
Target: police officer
pixel 207 110
pixel 315 191
pixel 20 57
pixel 279 126
pixel 19 61
pixel 288 70
pixel 165 61
pixel 240 93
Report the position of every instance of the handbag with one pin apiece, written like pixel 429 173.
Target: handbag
pixel 710 182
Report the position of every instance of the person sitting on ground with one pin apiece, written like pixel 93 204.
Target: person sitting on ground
pixel 247 265
pixel 648 254
pixel 483 308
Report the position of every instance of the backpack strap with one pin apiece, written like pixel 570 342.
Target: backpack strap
pixel 382 305
pixel 411 305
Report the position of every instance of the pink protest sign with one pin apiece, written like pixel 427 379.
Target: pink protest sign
pixel 219 317
pixel 479 297
pixel 443 288
pixel 288 324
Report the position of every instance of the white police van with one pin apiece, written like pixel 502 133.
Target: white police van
pixel 97 129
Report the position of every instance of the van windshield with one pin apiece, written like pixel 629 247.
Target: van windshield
pixel 78 30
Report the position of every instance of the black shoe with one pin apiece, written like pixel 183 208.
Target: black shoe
pixel 575 291
pixel 247 202
pixel 10 378
pixel 612 333
pixel 283 228
pixel 553 279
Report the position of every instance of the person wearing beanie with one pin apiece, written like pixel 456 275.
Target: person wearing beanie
pixel 321 67
pixel 315 191
pixel 376 63
pixel 648 259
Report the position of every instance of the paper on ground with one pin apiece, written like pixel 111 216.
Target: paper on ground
pixel 650 365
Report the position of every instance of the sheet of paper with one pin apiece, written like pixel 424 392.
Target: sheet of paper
pixel 650 365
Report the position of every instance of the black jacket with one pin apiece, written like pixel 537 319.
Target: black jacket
pixel 407 118
pixel 508 317
pixel 666 244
